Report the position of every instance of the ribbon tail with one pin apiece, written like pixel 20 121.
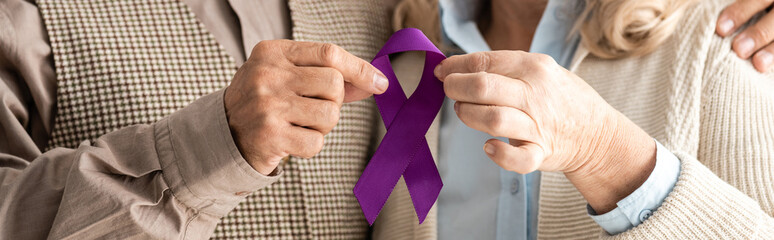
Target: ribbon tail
pixel 379 178
pixel 365 196
pixel 423 181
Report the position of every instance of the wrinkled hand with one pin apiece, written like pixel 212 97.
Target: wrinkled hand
pixel 554 120
pixel 288 95
pixel 756 40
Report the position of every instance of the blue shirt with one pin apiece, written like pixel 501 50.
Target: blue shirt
pixel 482 201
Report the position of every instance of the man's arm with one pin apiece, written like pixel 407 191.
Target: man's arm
pixel 118 183
pixel 170 179
pixel 174 178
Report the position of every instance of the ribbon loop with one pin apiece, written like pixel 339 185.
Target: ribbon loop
pixel 404 150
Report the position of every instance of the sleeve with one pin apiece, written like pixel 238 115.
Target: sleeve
pixel 172 179
pixel 640 204
pixel 726 190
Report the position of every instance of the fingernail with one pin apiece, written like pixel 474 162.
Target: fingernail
pixel 380 82
pixel 725 26
pixel 456 107
pixel 437 71
pixel 766 58
pixel 489 149
pixel 745 46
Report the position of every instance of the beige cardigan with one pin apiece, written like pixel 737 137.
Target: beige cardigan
pixel 712 109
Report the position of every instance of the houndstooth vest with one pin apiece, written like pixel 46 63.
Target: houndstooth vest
pixel 125 62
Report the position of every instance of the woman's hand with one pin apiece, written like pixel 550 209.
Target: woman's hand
pixel 554 120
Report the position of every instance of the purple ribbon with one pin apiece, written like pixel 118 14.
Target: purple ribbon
pixel 404 150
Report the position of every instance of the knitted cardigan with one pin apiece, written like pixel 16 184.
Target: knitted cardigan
pixel 714 111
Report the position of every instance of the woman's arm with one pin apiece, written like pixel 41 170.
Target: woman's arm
pixel 554 120
pixel 557 123
pixel 727 190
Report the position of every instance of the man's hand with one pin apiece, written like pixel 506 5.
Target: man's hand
pixel 756 40
pixel 288 95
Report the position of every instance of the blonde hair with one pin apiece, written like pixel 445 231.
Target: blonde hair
pixel 609 28
pixel 622 28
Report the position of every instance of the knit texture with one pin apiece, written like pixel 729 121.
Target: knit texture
pixel 710 108
pixel 127 62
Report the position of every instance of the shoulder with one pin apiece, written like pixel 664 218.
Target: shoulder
pixel 696 31
pixel 695 40
pixel 707 8
pixel 728 83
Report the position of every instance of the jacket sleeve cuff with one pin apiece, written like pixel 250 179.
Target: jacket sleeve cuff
pixel 200 161
pixel 639 206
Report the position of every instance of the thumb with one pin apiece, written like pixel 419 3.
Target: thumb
pixel 524 158
pixel 357 72
pixel 352 93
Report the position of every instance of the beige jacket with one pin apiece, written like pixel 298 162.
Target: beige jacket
pixel 712 109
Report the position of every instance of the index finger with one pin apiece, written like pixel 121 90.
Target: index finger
pixel 355 70
pixel 520 64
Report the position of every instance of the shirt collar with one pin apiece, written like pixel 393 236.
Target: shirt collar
pixel 553 36
pixel 459 26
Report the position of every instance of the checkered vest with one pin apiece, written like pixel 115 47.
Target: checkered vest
pixel 125 62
